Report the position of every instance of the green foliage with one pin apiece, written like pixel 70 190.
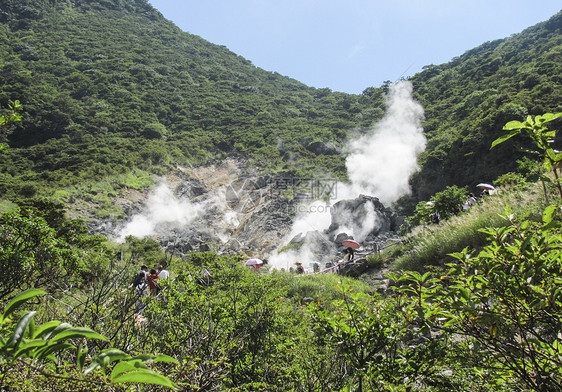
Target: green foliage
pixel 510 179
pixel 31 345
pixel 32 255
pixel 100 105
pixel 375 260
pixel 9 118
pixel 504 301
pixel 430 245
pixel 222 319
pixel 443 205
pixel 536 130
pixel 421 214
pixel 469 99
pixel 376 344
pixel 144 251
pixel 531 170
pixel 449 201
pixel 320 287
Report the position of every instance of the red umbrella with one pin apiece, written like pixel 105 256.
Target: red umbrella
pixel 351 244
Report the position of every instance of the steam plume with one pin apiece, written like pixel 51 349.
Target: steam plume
pixel 382 161
pixel 162 209
pixel 380 164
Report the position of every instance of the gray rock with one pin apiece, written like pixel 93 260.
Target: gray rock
pixel 353 269
pixel 321 148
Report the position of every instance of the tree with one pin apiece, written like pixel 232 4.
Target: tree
pixel 6 120
pixel 379 342
pixel 31 255
pixel 449 201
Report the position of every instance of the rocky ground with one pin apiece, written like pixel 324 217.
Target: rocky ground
pixel 236 210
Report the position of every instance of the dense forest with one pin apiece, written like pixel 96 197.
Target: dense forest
pixel 468 100
pixel 108 91
pixel 111 86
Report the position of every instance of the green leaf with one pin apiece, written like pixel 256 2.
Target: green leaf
pixel 154 358
pixel 19 300
pixel 505 137
pixel 50 332
pixel 51 349
pixel 20 330
pixel 513 125
pixel 165 358
pixel 553 155
pixel 142 376
pixel 46 328
pixel 26 347
pixel 105 358
pixel 548 214
pixel 78 332
pixel 550 116
pixel 127 366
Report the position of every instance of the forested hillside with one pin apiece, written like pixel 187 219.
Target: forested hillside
pixel 468 100
pixel 109 86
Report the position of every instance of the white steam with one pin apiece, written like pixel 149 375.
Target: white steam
pixel 382 161
pixel 164 209
pixel 313 217
pixel 359 228
pixel 380 164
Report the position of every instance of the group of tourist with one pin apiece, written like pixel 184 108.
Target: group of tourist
pixel 147 281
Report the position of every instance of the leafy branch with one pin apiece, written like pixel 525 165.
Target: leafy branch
pixel 10 118
pixel 30 344
pixel 541 136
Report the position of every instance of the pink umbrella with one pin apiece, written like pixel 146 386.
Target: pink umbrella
pixel 351 244
pixel 253 262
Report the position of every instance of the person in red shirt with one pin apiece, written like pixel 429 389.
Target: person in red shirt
pixel 152 283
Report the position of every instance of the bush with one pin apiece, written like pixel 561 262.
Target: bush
pixel 511 179
pixel 504 300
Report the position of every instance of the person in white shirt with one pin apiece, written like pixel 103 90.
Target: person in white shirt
pixel 164 274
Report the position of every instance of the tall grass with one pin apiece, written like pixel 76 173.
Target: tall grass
pixel 319 287
pixel 431 245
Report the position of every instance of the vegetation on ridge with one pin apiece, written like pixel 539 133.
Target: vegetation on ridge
pixel 110 87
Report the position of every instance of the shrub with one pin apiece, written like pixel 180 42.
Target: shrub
pixel 505 300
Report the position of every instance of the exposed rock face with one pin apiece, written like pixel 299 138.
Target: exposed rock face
pixel 354 269
pixel 226 208
pixel 367 218
pixel 221 207
pixel 321 148
pixel 364 219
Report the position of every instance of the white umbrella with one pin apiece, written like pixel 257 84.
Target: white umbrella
pixel 485 186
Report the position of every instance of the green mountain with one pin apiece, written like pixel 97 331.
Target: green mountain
pixel 468 100
pixel 110 86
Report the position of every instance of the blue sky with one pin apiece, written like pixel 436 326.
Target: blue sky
pixel 349 45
